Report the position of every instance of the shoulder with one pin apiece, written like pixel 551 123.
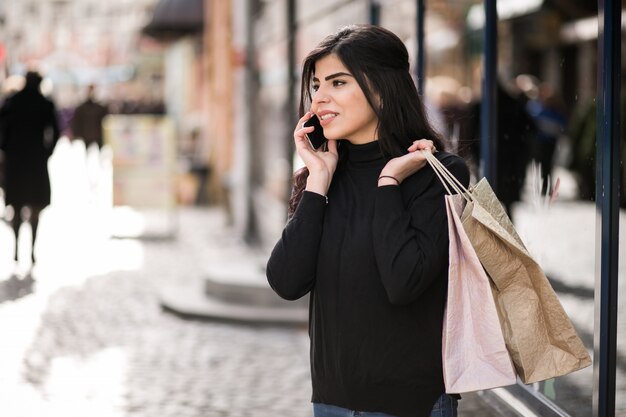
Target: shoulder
pixel 456 165
pixel 426 182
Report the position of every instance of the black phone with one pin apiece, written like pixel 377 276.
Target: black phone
pixel 316 137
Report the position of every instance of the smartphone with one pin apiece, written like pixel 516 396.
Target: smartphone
pixel 316 137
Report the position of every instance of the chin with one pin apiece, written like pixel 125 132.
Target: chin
pixel 331 136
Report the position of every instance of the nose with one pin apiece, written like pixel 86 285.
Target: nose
pixel 320 97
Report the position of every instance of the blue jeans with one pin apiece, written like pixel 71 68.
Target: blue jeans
pixel 444 407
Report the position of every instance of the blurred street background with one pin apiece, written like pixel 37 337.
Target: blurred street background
pixel 145 292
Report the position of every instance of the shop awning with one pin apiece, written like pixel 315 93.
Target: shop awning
pixel 175 18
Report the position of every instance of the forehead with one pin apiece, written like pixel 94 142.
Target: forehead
pixel 328 65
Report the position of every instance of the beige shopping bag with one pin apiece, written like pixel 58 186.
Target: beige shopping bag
pixel 538 334
pixel 474 353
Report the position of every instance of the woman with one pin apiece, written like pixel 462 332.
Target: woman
pixel 367 236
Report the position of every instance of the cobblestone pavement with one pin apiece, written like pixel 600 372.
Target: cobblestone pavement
pixel 104 347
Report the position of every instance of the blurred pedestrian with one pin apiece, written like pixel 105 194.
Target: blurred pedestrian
pixel 582 131
pixel 548 113
pixel 514 131
pixel 11 85
pixel 86 123
pixel 367 235
pixel 30 130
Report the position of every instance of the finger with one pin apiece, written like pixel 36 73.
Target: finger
pixel 301 121
pixel 306 116
pixel 417 144
pixel 412 148
pixel 300 139
pixel 425 144
pixel 303 131
pixel 301 142
pixel 422 144
pixel 300 133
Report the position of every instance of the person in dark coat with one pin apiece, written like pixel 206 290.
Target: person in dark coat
pixel 30 130
pixel 86 122
pixel 550 118
pixel 514 130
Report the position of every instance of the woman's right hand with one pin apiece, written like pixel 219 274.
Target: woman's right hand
pixel 321 164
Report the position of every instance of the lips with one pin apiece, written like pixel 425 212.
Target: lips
pixel 326 116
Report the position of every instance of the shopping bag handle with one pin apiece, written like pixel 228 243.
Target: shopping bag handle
pixel 445 176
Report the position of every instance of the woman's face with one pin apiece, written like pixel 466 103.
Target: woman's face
pixel 340 104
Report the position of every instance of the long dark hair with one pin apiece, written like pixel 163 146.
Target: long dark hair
pixel 379 62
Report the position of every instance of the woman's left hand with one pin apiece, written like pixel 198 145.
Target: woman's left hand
pixel 404 166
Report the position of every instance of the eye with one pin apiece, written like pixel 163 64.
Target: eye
pixel 315 87
pixel 338 83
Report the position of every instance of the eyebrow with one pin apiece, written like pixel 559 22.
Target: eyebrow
pixel 335 75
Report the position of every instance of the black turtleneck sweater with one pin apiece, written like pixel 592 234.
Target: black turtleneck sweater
pixel 375 261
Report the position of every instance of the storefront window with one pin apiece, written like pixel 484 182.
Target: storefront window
pixel 547 66
pixel 561 238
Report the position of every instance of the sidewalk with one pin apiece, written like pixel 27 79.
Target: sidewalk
pixel 90 341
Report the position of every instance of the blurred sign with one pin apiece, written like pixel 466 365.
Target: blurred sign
pixel 143 160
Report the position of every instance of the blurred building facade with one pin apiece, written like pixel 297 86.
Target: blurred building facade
pixel 553 41
pixel 228 71
pixel 74 43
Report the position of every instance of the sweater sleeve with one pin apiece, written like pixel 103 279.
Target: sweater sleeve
pixel 292 265
pixel 411 239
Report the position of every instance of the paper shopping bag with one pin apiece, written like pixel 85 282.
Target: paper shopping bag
pixel 474 353
pixel 539 336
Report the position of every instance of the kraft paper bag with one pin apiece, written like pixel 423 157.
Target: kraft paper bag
pixel 474 354
pixel 539 336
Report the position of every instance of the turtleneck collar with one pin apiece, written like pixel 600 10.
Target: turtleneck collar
pixel 365 152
